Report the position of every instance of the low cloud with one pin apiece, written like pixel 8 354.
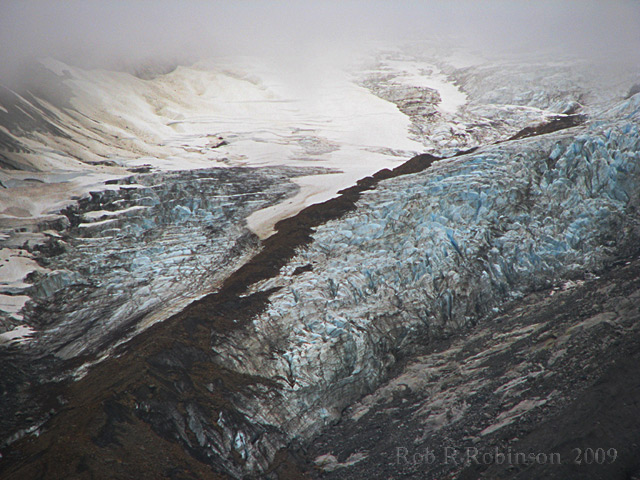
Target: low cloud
pixel 100 33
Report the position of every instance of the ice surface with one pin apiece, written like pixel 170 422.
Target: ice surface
pixel 420 257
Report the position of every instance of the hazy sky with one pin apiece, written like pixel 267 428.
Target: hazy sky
pixel 98 32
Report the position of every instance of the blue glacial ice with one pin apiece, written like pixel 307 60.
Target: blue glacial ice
pixel 428 254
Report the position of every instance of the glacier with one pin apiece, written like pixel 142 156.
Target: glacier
pixel 428 254
pixel 153 291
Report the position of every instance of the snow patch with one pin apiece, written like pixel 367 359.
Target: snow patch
pixel 19 334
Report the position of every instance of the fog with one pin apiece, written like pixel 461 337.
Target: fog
pixel 92 33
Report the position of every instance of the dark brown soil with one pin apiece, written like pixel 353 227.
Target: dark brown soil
pixel 559 123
